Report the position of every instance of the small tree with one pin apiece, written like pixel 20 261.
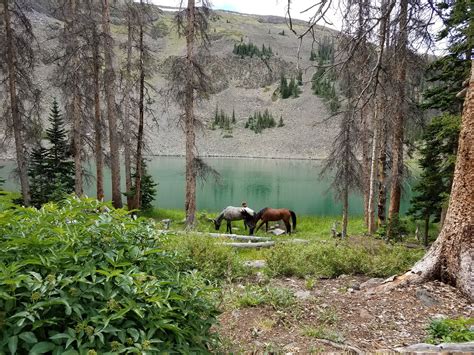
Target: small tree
pixel 148 188
pixel 52 172
pixel 281 124
pixel 233 117
pixel 438 156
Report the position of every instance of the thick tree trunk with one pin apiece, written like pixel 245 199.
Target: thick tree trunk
pixel 190 199
pixel 397 141
pixel 450 258
pixel 109 84
pixel 427 228
pixel 126 119
pixel 99 156
pixel 138 170
pixel 15 112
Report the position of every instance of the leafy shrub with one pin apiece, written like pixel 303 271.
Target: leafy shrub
pixel 331 260
pixel 450 330
pixel 86 278
pixel 207 255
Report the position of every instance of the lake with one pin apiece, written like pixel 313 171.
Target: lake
pixel 293 184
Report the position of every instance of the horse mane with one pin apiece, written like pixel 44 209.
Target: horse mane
pixel 260 213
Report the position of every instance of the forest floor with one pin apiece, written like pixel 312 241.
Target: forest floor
pixel 337 310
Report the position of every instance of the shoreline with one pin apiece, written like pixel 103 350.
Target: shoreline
pixel 212 156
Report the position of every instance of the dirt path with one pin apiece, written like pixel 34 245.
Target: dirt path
pixel 337 310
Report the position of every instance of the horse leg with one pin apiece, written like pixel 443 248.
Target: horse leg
pixel 266 226
pixel 288 226
pixel 229 227
pixel 259 226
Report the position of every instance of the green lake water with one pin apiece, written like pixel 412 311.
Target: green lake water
pixel 293 184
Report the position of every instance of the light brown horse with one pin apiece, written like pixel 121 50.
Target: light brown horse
pixel 271 214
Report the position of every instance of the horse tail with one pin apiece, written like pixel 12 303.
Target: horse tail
pixel 293 219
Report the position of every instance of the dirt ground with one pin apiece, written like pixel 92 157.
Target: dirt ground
pixel 344 310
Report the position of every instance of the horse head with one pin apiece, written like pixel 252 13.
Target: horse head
pixel 250 220
pixel 217 224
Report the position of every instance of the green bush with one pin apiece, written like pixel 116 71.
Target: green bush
pixel 86 278
pixel 216 261
pixel 331 259
pixel 450 330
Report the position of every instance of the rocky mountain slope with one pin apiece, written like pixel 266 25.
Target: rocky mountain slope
pixel 243 85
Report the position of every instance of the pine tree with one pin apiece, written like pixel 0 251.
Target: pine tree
pixel 233 117
pixel 281 124
pixel 148 188
pixel 61 168
pixel 39 174
pixel 284 87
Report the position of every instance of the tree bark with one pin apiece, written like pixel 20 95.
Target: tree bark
pixel 427 228
pixel 365 165
pixel 373 172
pixel 190 199
pixel 139 165
pixel 398 131
pixel 15 112
pixel 450 258
pixel 126 118
pixel 382 160
pixel 109 85
pixel 345 212
pixel 99 156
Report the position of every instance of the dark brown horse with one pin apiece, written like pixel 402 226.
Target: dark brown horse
pixel 271 214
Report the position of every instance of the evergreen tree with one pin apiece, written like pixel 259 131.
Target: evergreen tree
pixel 438 155
pixel 281 124
pixel 148 188
pixel 51 172
pixel 59 154
pixel 299 77
pixel 233 116
pixel 284 90
pixel 39 176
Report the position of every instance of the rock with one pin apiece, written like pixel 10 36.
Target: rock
pixel 302 295
pixel 355 286
pixel 257 264
pixel 426 298
pixel 278 231
pixel 166 223
pixel 466 348
pixel 364 314
pixel 371 283
pixel 439 316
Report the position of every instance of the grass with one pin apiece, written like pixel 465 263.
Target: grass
pixel 323 256
pixel 322 332
pixel 450 330
pixel 278 298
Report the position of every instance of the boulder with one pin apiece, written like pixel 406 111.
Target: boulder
pixel 278 231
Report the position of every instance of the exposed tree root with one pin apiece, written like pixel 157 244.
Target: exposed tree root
pixel 342 346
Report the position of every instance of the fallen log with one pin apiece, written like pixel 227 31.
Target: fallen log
pixel 220 235
pixel 251 245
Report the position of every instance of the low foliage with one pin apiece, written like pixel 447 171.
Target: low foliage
pixel 254 295
pixel 450 330
pixel 85 278
pixel 322 332
pixel 333 259
pixel 209 256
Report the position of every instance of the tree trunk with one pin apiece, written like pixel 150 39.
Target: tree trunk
pixel 139 165
pixel 427 227
pixel 126 119
pixel 109 81
pixel 99 156
pixel 190 199
pixel 382 160
pixel 397 142
pixel 450 258
pixel 373 172
pixel 345 212
pixel 365 165
pixel 77 139
pixel 15 112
